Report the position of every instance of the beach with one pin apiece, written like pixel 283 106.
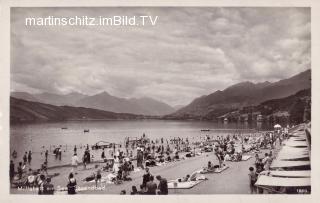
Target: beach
pixel 236 174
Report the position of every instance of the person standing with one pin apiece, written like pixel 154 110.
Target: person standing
pixel 74 163
pixel 116 164
pixel 151 187
pixel 103 156
pixel 29 157
pixel 266 162
pixel 72 184
pixel 259 166
pixel 11 172
pixel 48 187
pixel 98 177
pixel 14 154
pixel 41 184
pixel 134 190
pixel 60 153
pixel 84 160
pixel 139 158
pixel 88 156
pixel 163 185
pixel 20 170
pixel 252 180
pixel 25 158
pixel 46 155
pixel 44 168
pixel 146 177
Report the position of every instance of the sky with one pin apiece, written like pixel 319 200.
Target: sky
pixel 188 53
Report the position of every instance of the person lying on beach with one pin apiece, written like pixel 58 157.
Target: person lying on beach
pixel 150 163
pixel 90 178
pixel 176 156
pixel 190 154
pixel 160 159
pixel 236 157
pixel 192 177
pixel 185 179
pixel 209 166
pixel 168 158
pixel 107 167
pixel 227 157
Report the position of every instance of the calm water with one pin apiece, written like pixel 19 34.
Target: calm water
pixel 40 136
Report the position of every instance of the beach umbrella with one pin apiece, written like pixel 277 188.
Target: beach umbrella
pixel 277 126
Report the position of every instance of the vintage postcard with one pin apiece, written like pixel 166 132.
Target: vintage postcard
pixel 188 100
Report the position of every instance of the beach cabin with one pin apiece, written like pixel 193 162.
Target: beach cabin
pixel 290 171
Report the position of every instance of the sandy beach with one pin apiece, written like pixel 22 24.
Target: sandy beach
pixel 235 174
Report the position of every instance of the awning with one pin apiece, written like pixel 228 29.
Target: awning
pixel 296 143
pixel 304 174
pixel 291 156
pixel 298 134
pixel 282 164
pixel 291 149
pixel 282 182
pixel 298 139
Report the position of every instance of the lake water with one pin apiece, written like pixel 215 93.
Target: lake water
pixel 40 136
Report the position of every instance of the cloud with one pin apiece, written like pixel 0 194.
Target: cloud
pixel 190 52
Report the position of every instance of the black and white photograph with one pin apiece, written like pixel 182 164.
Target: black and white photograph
pixel 160 100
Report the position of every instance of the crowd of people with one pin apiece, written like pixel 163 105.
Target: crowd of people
pixel 149 186
pixel 148 153
pixel 267 141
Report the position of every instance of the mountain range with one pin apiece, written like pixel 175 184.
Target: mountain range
pixel 101 101
pixel 241 95
pixel 28 111
pixel 211 106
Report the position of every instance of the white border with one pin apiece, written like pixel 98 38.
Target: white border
pixel 5 89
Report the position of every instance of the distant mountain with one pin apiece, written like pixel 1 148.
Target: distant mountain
pixel 24 96
pixel 102 101
pixel 145 106
pixel 153 106
pixel 177 107
pixel 27 111
pixel 242 94
pixel 56 99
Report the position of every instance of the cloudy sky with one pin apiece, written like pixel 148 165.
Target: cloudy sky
pixel 189 52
